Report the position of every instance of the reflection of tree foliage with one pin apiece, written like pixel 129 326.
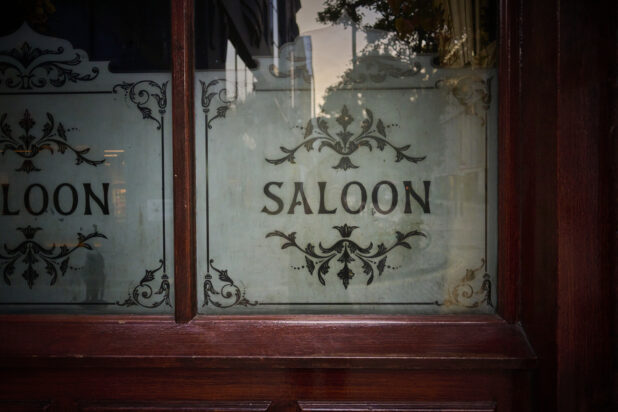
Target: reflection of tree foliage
pixel 461 33
pixel 417 24
pixel 37 13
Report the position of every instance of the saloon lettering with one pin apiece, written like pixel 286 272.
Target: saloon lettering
pixel 65 199
pixel 274 191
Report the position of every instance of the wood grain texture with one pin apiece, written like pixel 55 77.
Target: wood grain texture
pixel 308 406
pixel 509 158
pixel 274 341
pixel 184 160
pixel 204 406
pixel 565 168
pixel 284 387
pixel 538 222
pixel 583 329
pixel 25 406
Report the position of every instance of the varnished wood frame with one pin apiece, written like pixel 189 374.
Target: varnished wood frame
pixel 183 121
pixel 540 123
pixel 491 341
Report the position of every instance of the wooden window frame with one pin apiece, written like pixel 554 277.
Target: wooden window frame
pixel 404 340
pixel 530 287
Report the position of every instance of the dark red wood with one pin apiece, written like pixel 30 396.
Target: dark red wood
pixel 583 324
pixel 397 407
pixel 358 341
pixel 184 160
pixel 25 406
pixel 554 275
pixel 509 210
pixel 282 387
pixel 613 150
pixel 174 406
pixel 275 341
pixel 565 86
pixel 329 358
pixel 538 226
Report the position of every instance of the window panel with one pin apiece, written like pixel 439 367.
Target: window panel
pixel 85 134
pixel 346 157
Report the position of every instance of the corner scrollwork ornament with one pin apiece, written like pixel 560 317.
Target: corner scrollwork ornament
pixel 209 92
pixel 27 146
pixel 146 95
pixel 346 251
pixel 471 92
pixel 150 98
pixel 144 295
pixel 464 293
pixel 344 142
pixel 232 295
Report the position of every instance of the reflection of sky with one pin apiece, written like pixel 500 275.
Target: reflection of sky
pixel 332 47
pixel 307 15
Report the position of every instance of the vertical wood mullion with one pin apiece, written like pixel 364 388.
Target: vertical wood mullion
pixel 184 160
pixel 509 210
pixel 584 348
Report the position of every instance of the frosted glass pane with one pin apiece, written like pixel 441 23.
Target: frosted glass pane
pixel 349 170
pixel 86 210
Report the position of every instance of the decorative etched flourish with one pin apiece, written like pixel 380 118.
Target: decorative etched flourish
pixel 28 146
pixel 472 92
pixel 345 143
pixel 26 54
pixel 31 253
pixel 142 294
pixel 142 94
pixel 230 292
pixel 28 67
pixel 463 293
pixel 377 69
pixel 345 250
pixel 208 93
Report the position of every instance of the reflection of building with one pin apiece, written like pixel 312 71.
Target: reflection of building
pixel 253 27
pixel 115 30
pixel 122 31
pixel 291 70
pixel 257 44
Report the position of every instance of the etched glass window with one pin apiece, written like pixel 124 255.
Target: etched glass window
pixel 85 165
pixel 347 156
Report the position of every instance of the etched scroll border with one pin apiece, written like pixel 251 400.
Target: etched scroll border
pixel 143 289
pixel 464 284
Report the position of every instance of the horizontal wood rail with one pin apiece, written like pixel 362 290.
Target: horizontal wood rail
pixel 436 342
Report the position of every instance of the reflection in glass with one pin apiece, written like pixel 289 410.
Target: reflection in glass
pixel 346 156
pixel 86 154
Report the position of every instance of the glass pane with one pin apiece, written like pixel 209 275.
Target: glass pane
pixel 347 156
pixel 85 134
